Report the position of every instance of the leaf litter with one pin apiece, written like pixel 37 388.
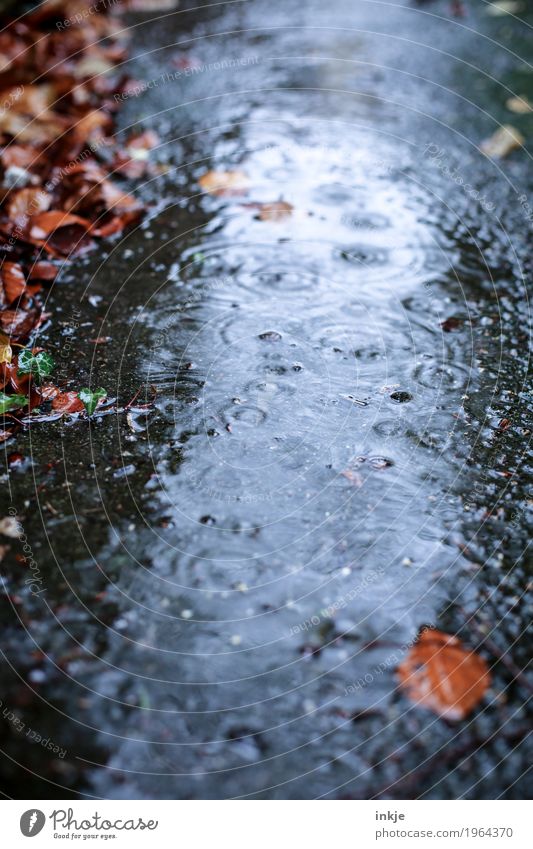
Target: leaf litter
pixel 57 197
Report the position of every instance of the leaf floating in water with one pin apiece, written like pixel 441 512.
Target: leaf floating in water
pixel 444 676
pixel 354 477
pixel 224 183
pixel 276 211
pixel 502 142
pixel 520 105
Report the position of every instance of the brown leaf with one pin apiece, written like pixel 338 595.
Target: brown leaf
pixel 43 270
pixel 59 233
pixel 67 402
pixel 451 323
pixel 27 202
pixel 19 155
pixel 6 353
pixel 92 126
pixel 275 211
pixel 502 142
pixel 18 323
pixel 13 282
pixel 443 675
pixel 48 392
pixel 224 183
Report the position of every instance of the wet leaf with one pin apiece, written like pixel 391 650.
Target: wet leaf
pixel 6 353
pixel 67 402
pixel 59 233
pixel 502 142
pixel 11 402
pixel 451 323
pixel 19 323
pixel 91 399
pixel 520 105
pixel 13 282
pixel 276 211
pixel 44 270
pixel 224 183
pixel 444 676
pixel 38 365
pixel 27 202
pixel 48 392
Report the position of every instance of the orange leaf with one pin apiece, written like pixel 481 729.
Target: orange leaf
pixel 443 675
pixel 275 211
pixel 59 233
pixel 48 392
pixel 49 222
pixel 13 280
pixel 27 202
pixel 223 183
pixel 43 270
pixel 67 402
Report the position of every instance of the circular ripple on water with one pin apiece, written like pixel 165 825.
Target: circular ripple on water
pixel 264 385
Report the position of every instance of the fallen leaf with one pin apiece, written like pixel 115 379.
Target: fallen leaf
pixel 520 104
pixel 48 392
pixel 13 282
pixel 92 399
pixel 44 270
pixel 38 364
pixel 67 402
pixel 11 402
pixel 24 203
pixel 275 211
pixel 59 233
pixel 224 183
pixel 10 527
pixel 502 142
pixel 6 353
pixel 18 323
pixel 451 323
pixel 444 676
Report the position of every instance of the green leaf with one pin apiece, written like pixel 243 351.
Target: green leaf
pixel 38 365
pixel 11 402
pixel 90 399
